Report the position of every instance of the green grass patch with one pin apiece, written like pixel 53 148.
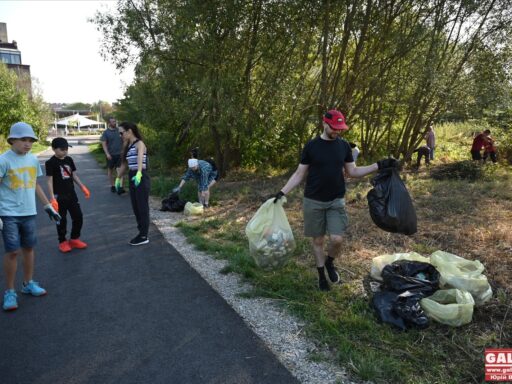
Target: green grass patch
pixel 342 318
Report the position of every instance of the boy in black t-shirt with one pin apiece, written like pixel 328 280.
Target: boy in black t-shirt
pixel 60 170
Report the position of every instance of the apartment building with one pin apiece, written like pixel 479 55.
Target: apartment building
pixel 10 55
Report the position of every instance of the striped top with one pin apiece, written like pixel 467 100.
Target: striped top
pixel 131 157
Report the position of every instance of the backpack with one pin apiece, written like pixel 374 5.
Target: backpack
pixel 173 203
pixel 210 161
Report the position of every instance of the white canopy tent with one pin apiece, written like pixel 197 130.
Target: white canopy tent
pixel 78 121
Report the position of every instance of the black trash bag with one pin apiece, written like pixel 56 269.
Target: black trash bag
pixel 409 275
pixel 172 203
pixel 390 205
pixel 401 310
pixel 407 307
pixel 406 282
pixel 383 303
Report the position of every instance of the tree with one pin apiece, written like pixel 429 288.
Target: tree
pixel 247 80
pixel 15 105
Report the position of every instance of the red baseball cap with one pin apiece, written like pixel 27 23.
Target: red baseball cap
pixel 336 120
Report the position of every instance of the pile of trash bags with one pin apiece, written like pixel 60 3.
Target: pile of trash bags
pixel 270 236
pixel 173 203
pixel 416 289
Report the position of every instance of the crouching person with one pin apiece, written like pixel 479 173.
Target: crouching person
pixel 206 177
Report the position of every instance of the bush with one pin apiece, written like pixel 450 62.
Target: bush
pixel 461 170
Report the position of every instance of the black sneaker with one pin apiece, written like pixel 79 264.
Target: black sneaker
pixel 113 189
pixel 323 285
pixel 139 240
pixel 206 206
pixel 334 276
pixel 121 191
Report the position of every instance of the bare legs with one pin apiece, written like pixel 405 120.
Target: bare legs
pixel 10 266
pixel 334 249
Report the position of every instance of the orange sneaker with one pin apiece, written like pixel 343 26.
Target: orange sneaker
pixel 64 247
pixel 77 243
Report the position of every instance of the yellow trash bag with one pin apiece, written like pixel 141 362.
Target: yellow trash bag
pixel 193 209
pixel 457 272
pixel 379 262
pixel 270 235
pixel 449 306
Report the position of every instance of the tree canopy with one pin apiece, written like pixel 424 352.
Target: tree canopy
pixel 248 80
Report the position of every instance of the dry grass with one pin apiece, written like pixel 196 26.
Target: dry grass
pixel 454 217
pixel 472 220
pixel 471 226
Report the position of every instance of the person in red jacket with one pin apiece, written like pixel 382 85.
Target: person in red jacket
pixel 479 142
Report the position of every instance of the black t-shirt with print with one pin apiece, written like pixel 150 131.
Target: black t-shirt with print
pixel 62 172
pixel 326 160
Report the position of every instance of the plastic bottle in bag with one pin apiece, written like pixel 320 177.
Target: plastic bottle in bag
pixel 270 236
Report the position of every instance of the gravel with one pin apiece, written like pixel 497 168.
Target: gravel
pixel 279 330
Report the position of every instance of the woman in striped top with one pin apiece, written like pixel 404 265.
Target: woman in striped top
pixel 135 159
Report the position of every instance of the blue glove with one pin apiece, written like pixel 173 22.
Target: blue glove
pixel 137 178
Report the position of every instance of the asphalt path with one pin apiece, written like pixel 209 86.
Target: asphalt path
pixel 116 313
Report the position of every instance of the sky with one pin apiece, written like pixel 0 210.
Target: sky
pixel 63 49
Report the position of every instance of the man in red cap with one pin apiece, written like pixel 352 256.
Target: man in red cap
pixel 323 161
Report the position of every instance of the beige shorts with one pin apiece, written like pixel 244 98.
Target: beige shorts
pixel 321 217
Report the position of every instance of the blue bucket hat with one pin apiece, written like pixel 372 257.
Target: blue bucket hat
pixel 20 130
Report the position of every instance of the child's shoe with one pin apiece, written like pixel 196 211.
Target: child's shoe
pixel 77 243
pixel 10 302
pixel 33 288
pixel 64 247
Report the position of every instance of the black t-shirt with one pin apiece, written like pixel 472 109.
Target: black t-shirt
pixel 62 172
pixel 326 160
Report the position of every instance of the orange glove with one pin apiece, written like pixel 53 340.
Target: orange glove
pixel 55 204
pixel 86 192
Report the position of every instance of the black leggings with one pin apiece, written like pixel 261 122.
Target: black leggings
pixel 140 201
pixel 69 203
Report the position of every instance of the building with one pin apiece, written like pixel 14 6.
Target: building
pixel 11 56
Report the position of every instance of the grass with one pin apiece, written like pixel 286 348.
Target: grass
pixel 469 218
pixel 342 319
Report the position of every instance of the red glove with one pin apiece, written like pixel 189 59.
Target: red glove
pixel 86 192
pixel 54 204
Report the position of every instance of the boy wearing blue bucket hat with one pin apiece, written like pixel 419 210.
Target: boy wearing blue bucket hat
pixel 19 170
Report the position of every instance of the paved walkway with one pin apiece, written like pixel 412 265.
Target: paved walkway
pixel 121 314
